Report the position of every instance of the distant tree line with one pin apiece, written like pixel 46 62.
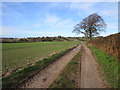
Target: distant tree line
pixel 41 39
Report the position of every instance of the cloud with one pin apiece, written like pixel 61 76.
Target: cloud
pixel 60 0
pixel 17 28
pixel 0 9
pixel 10 16
pixel 83 7
pixel 53 5
pixel 55 22
pixel 20 31
pixel 109 13
pixel 58 5
pixel 80 6
pixel 112 25
pixel 10 12
pixel 51 19
pixel 96 7
pixel 36 25
pixel 67 23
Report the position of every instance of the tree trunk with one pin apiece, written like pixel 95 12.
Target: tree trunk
pixel 90 35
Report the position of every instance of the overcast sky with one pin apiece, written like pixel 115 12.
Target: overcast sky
pixel 33 19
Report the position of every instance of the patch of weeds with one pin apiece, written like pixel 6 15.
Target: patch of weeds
pixel 64 82
pixel 73 63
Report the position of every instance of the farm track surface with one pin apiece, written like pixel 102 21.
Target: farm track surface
pixel 90 75
pixel 46 76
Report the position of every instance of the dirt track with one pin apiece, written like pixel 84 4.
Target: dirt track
pixel 90 76
pixel 89 73
pixel 49 74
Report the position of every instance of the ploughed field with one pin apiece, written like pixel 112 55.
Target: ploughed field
pixel 16 55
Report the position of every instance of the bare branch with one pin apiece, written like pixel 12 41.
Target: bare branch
pixel 90 26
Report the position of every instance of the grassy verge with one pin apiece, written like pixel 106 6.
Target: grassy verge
pixel 109 66
pixel 16 77
pixel 69 76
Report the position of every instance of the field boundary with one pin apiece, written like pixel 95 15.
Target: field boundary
pixel 34 72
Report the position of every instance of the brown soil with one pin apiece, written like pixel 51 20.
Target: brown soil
pixel 90 76
pixel 45 78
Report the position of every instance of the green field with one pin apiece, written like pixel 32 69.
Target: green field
pixel 17 55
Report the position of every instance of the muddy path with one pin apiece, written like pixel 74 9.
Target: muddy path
pixel 90 75
pixel 45 77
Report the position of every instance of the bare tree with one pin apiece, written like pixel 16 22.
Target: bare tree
pixel 90 26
